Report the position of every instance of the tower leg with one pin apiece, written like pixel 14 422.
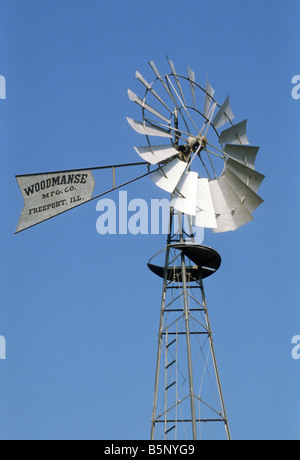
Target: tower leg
pixel 159 351
pixel 188 347
pixel 161 324
pixel 212 347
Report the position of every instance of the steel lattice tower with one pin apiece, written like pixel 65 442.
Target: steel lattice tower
pixel 188 398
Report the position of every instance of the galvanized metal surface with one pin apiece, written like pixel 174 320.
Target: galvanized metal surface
pixel 157 153
pixel 47 195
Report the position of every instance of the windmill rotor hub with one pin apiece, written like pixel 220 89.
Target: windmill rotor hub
pixel 184 153
pixel 194 143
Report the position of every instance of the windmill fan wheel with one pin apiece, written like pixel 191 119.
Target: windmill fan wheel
pixel 206 166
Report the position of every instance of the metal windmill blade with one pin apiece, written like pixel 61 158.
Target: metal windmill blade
pixel 224 115
pixel 185 194
pixel 205 213
pixel 221 192
pixel 192 83
pixel 208 98
pixel 231 213
pixel 244 154
pixel 133 97
pixel 148 129
pixel 157 153
pixel 236 134
pixel 168 177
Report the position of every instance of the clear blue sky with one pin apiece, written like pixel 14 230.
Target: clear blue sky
pixel 80 311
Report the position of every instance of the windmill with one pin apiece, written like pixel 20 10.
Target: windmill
pixel 203 161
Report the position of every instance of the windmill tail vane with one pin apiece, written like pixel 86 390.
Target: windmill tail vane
pixel 49 194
